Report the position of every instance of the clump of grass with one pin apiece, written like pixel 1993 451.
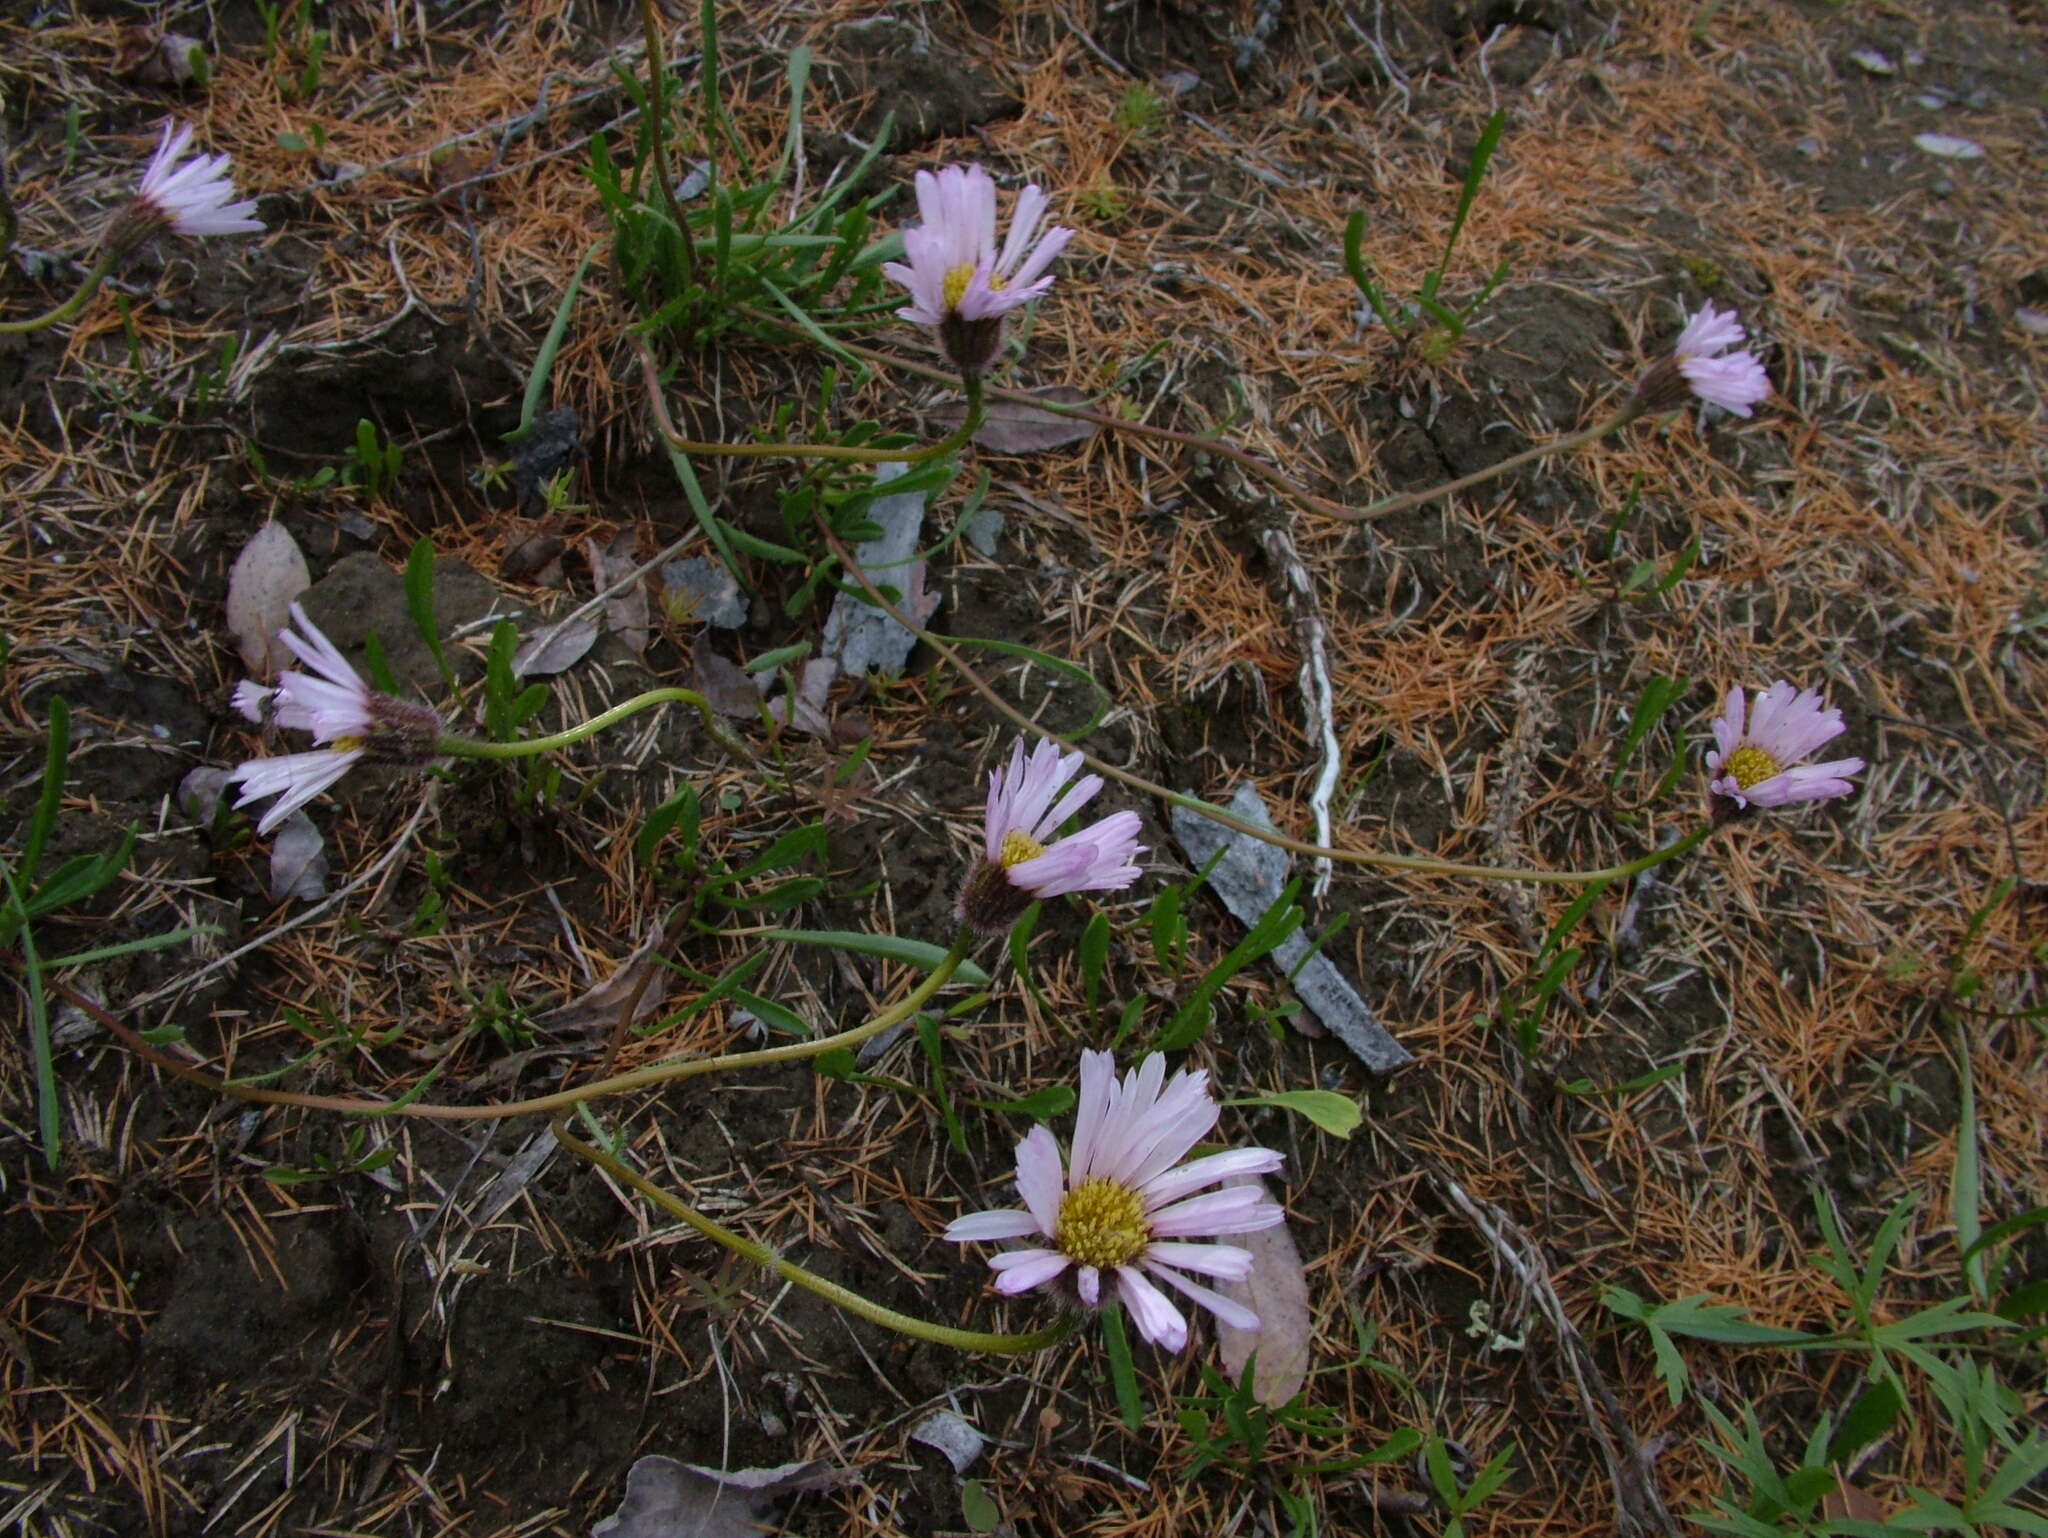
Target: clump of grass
pixel 1140 111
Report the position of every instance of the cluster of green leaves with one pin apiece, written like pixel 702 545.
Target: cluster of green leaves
pixel 294 46
pixel 1998 1452
pixel 356 1156
pixel 374 461
pixel 1646 577
pixel 1427 317
pixel 1523 1005
pixel 671 846
pixel 31 896
pixel 842 496
pixel 739 252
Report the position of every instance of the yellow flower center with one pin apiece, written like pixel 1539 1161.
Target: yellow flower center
pixel 1749 766
pixel 957 280
pixel 345 744
pixel 1019 847
pixel 1102 1223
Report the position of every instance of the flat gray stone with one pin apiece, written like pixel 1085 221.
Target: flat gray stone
pixel 1248 878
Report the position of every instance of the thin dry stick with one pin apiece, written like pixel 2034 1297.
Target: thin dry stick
pixel 561 1100
pixel 1400 502
pixel 1639 1508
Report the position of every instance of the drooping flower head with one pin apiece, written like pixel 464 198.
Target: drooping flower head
pixel 960 283
pixel 1756 756
pixel 1027 802
pixel 1125 1206
pixel 353 720
pixel 1696 365
pixel 192 199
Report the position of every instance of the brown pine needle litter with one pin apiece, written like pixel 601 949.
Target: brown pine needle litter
pixel 218 1317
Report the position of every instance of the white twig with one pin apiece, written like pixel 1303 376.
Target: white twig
pixel 1317 697
pixel 1639 1508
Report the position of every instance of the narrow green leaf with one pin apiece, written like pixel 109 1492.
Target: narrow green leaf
pixel 1335 1114
pixel 1116 1346
pixel 419 599
pixel 50 795
pixel 915 953
pixel 131 947
pixel 1093 952
pixel 551 344
pixel 1041 1104
pixel 1869 1418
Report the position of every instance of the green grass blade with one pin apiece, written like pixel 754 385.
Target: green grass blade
pixel 56 754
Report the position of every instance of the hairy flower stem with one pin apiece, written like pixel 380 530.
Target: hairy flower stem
pixel 1632 408
pixel 796 1275
pixel 470 747
pixel 657 126
pixel 953 441
pixel 1274 477
pixel 1419 864
pixel 69 307
pixel 561 1100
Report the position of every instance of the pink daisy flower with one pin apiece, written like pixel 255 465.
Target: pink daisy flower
pixel 193 199
pixel 1735 381
pixel 1027 802
pixel 340 710
pixel 294 778
pixel 1756 756
pixel 1121 1206
pixel 959 281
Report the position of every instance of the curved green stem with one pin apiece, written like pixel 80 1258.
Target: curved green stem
pixel 69 307
pixel 527 747
pixel 953 441
pixel 561 1100
pixel 1426 865
pixel 1632 408
pixel 790 1271
pixel 657 126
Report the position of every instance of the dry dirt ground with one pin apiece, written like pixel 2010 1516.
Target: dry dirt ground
pixel 479 1336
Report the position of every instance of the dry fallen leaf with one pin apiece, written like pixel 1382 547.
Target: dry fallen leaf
pixel 1852 1501
pixel 667 1499
pixel 554 647
pixel 262 584
pixel 1012 427
pixel 598 1009
pixel 201 792
pixel 726 686
pixel 625 613
pixel 1950 146
pixel 813 693
pixel 1277 1292
pixel 533 549
pixel 150 57
pixel 298 860
pixel 952 1435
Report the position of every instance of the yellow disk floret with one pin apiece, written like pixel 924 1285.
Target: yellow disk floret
pixel 1102 1223
pixel 1749 766
pixel 1019 847
pixel 957 279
